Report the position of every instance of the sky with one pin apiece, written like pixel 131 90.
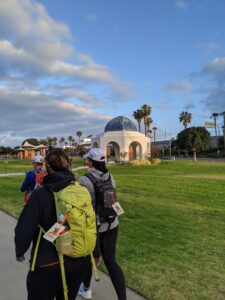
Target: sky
pixel 72 65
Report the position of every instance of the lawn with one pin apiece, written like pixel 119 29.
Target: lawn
pixel 171 242
pixel 17 165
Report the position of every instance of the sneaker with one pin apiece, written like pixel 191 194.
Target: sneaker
pixel 85 293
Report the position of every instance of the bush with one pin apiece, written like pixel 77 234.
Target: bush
pixel 155 161
pixel 139 162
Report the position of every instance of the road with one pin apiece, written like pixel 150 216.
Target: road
pixel 13 274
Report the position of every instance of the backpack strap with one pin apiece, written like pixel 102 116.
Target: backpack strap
pixel 61 259
pixel 36 248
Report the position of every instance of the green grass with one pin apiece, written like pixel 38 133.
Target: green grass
pixel 17 165
pixel 171 241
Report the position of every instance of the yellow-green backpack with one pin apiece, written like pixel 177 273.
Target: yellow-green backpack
pixel 74 204
pixel 74 201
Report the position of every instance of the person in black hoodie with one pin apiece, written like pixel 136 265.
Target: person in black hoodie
pixel 45 282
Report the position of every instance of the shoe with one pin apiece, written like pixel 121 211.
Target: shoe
pixel 85 293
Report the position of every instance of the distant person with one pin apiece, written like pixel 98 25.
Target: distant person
pixel 30 181
pixel 45 282
pixel 101 186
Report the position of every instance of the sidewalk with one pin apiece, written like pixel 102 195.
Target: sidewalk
pixel 23 174
pixel 13 274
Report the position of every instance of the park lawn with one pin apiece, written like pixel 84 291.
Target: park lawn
pixel 25 165
pixel 171 241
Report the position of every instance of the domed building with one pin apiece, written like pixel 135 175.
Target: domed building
pixel 122 141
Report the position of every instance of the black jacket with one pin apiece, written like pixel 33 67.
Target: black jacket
pixel 40 210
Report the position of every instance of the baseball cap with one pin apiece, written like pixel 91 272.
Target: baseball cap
pixel 38 159
pixel 95 154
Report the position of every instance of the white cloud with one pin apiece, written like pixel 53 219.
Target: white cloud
pixel 181 4
pixel 32 113
pixel 78 94
pixel 34 42
pixel 179 86
pixel 164 105
pixel 216 67
pixel 44 76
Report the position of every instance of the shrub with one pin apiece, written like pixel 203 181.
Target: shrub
pixel 140 162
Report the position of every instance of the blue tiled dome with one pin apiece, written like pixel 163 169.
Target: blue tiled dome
pixel 119 124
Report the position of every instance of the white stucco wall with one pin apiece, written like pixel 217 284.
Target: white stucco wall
pixel 123 139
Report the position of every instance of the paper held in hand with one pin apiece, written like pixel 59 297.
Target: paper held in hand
pixel 118 209
pixel 52 234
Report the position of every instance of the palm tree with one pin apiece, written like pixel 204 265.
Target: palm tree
pixel 154 130
pixel 70 139
pixel 138 115
pixel 149 122
pixel 185 118
pixel 223 114
pixel 79 134
pixel 62 141
pixel 49 141
pixel 54 141
pixel 215 116
pixel 146 111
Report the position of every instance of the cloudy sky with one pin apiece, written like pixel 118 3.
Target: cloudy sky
pixel 71 65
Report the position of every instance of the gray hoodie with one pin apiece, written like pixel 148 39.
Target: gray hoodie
pixel 84 181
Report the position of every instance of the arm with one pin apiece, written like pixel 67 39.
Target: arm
pixel 27 182
pixel 84 181
pixel 27 225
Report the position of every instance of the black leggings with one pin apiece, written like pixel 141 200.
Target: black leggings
pixel 46 283
pixel 108 250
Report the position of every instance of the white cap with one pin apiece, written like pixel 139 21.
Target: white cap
pixel 38 159
pixel 95 154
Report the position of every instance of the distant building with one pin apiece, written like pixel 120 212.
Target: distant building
pixel 28 151
pixel 122 141
pixel 85 144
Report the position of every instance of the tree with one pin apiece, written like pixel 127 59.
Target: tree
pixel 223 114
pixel 149 122
pixel 185 118
pixel 32 141
pixel 70 139
pixel 215 116
pixel 54 141
pixel 154 130
pixel 62 141
pixel 138 115
pixel 79 134
pixel 194 139
pixel 50 142
pixel 146 111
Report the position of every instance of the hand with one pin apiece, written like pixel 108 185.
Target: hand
pixel 97 261
pixel 20 258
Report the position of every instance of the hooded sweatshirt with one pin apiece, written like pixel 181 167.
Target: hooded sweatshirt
pixel 85 181
pixel 40 210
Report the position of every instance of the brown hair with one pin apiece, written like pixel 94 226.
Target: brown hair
pixel 57 160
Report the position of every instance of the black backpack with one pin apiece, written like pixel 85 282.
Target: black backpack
pixel 105 195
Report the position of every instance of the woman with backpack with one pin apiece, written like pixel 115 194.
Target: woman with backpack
pixel 101 186
pixel 45 282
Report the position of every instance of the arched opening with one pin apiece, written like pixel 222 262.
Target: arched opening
pixel 95 145
pixel 113 152
pixel 135 151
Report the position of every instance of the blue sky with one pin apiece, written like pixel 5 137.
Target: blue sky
pixel 74 64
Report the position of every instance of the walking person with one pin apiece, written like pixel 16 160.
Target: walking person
pixel 45 282
pixel 101 186
pixel 29 182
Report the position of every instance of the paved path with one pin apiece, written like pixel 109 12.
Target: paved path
pixel 23 174
pixel 13 274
